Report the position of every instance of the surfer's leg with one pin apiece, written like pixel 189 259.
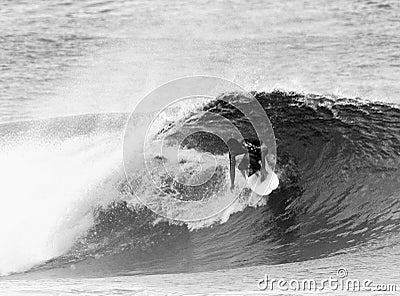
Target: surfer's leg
pixel 244 166
pixel 254 166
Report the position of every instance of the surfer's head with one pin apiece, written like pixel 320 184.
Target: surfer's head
pixel 234 145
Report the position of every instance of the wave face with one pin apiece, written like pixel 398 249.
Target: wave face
pixel 337 160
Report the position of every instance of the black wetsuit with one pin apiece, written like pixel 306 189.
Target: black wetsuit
pixel 252 151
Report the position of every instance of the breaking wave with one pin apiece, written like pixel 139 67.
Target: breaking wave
pixel 65 206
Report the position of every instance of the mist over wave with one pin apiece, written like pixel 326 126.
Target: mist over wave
pixel 50 172
pixel 338 163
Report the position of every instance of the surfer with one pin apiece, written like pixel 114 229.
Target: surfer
pixel 253 161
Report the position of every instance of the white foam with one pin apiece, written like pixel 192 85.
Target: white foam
pixel 46 195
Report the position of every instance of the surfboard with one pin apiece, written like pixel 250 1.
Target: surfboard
pixel 263 187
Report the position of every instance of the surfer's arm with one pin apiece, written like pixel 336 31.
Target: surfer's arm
pixel 263 171
pixel 232 163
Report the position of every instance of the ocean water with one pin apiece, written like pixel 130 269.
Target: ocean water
pixel 326 73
